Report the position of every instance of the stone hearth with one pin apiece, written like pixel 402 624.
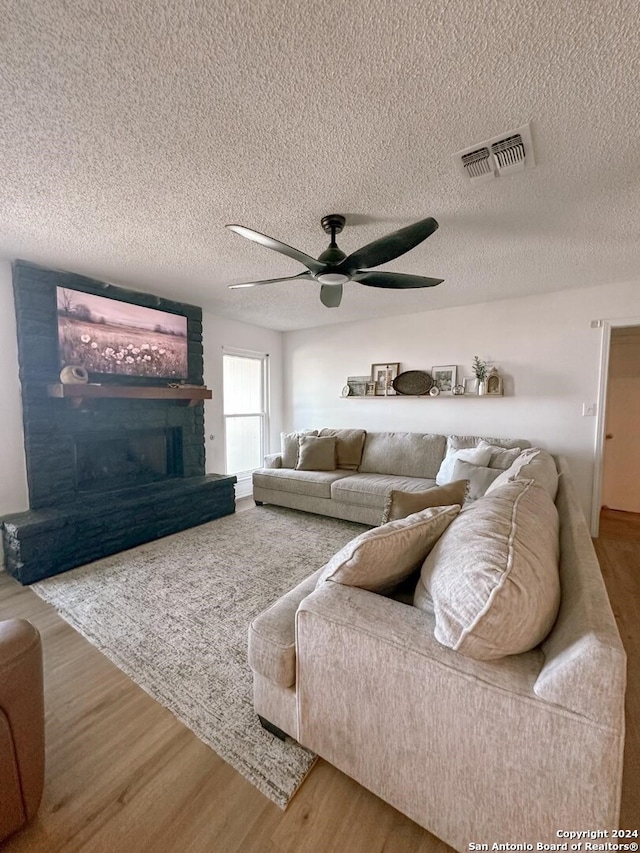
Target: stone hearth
pixel 109 473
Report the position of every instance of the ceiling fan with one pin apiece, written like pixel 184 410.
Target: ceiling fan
pixel 333 268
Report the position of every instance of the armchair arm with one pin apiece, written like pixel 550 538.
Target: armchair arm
pixel 22 707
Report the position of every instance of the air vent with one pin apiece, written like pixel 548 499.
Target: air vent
pixel 502 155
pixel 509 152
pixel 476 164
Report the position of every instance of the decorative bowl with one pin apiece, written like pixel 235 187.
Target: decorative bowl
pixel 412 382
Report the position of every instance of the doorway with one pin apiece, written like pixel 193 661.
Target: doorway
pixel 617 473
pixel 621 458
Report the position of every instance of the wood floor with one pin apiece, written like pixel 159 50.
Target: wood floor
pixel 123 775
pixel 618 550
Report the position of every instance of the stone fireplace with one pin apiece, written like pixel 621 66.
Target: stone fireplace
pixel 109 466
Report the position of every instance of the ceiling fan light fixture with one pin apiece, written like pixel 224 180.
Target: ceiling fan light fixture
pixel 333 278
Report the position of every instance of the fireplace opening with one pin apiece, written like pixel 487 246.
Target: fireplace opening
pixel 111 461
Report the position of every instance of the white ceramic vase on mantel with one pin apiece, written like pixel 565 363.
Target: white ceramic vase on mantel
pixel 482 387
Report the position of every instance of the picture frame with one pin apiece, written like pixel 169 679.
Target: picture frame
pixel 358 385
pixel 495 385
pixel 382 375
pixel 470 384
pixel 445 377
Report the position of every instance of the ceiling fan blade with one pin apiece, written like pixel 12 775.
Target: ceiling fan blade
pixel 277 246
pixel 394 280
pixel 390 247
pixel 331 295
pixel 269 280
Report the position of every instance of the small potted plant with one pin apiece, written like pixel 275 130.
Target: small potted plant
pixel 480 371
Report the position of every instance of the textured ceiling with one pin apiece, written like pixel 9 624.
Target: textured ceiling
pixel 132 131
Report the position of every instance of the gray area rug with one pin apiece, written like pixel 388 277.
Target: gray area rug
pixel 174 614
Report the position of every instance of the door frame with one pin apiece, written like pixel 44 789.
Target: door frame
pixel 601 416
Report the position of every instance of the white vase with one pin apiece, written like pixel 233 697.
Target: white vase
pixel 482 387
pixel 74 374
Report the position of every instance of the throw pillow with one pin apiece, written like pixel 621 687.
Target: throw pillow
pixel 401 504
pixel 316 454
pixel 475 455
pixel 501 457
pixel 381 558
pixel 349 444
pixel 479 477
pixel 492 579
pixel 457 442
pixel 289 446
pixel 513 470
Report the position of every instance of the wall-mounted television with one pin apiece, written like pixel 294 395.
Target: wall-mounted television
pixel 109 337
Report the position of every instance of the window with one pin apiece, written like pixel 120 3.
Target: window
pixel 245 399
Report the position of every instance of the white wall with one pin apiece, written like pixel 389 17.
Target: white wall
pixel 13 477
pixel 543 345
pixel 217 334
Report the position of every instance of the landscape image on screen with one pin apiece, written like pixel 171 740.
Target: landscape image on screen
pixel 106 336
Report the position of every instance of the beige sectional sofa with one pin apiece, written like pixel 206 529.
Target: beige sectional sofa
pixel 474 743
pixel 377 462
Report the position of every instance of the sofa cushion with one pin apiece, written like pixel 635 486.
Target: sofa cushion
pixel 289 446
pixel 379 559
pixel 475 455
pixel 532 464
pixel 492 579
pixel 316 454
pixel 349 444
pixel 408 454
pixel 400 504
pixel 478 477
pixel 372 489
pixel 315 484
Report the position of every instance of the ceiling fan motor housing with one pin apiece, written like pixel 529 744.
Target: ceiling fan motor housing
pixel 333 255
pixel 333 223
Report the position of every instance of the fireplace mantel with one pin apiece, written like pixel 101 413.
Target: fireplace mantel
pixel 78 394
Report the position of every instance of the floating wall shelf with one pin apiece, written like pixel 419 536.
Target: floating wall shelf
pixel 423 397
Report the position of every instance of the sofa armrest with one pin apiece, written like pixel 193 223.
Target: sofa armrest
pixel 585 662
pixel 272 460
pixel 272 635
